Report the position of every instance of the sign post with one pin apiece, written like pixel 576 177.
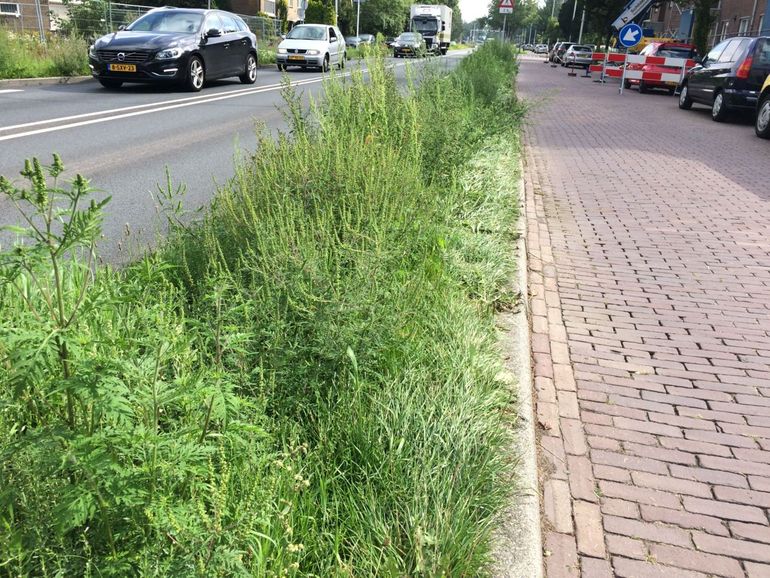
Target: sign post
pixel 506 6
pixel 629 36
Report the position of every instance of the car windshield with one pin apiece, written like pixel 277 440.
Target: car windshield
pixel 408 37
pixel 581 49
pixel 172 22
pixel 426 25
pixel 674 52
pixel 307 33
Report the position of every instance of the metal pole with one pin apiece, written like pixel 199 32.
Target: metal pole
pixel 582 22
pixel 505 18
pixel 571 22
pixel 336 11
pixel 358 14
pixel 40 27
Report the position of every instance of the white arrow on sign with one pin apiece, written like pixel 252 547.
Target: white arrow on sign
pixel 630 35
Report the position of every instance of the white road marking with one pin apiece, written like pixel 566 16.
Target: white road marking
pixel 136 110
pixel 9 90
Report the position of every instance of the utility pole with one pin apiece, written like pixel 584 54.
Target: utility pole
pixel 582 22
pixel 358 14
pixel 336 11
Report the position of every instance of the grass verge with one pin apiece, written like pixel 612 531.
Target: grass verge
pixel 304 383
pixel 24 56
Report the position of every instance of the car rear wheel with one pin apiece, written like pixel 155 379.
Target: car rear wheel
pixel 249 76
pixel 325 67
pixel 762 125
pixel 719 108
pixel 281 67
pixel 685 102
pixel 111 84
pixel 196 74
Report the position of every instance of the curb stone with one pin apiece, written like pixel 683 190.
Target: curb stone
pixel 518 549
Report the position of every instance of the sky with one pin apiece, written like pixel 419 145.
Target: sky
pixel 472 9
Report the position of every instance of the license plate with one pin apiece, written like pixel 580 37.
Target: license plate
pixel 122 67
pixel 296 57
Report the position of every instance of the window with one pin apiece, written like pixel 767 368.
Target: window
pixel 734 50
pixel 761 24
pixel 762 54
pixel 8 9
pixel 725 24
pixel 716 51
pixel 228 22
pixel 743 26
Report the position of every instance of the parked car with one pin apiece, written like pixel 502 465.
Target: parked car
pixel 410 44
pixel 176 45
pixel 352 41
pixel 312 46
pixel 762 124
pixel 541 49
pixel 729 77
pixel 367 38
pixel 578 55
pixel 663 50
pixel 557 52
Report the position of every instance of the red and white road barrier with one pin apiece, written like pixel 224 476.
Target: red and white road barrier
pixel 624 72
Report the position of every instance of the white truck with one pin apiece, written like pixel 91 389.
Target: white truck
pixel 434 22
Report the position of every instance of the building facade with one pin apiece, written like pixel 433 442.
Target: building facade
pixel 23 16
pixel 734 18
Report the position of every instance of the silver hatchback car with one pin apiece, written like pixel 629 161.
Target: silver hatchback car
pixel 312 46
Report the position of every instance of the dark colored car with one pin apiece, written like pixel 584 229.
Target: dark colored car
pixel 663 50
pixel 176 45
pixel 353 41
pixel 410 44
pixel 367 38
pixel 390 41
pixel 729 77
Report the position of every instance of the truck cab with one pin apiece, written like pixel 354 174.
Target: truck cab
pixel 434 22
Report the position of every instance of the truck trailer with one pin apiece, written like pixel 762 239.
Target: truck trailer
pixel 434 22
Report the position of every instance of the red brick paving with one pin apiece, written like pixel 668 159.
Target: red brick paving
pixel 649 262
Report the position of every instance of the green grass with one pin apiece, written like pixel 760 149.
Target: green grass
pixel 304 383
pixel 24 56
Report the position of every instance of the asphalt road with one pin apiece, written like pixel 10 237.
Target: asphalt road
pixel 124 140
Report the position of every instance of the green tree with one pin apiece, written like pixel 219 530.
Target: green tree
pixel 390 17
pixel 282 12
pixel 319 12
pixel 705 16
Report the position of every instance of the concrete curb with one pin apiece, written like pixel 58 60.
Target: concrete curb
pixel 518 550
pixel 22 82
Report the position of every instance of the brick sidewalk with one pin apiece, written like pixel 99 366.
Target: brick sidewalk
pixel 650 280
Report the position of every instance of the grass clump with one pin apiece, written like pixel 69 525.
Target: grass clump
pixel 24 56
pixel 304 383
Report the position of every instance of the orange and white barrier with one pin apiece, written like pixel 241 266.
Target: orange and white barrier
pixel 624 72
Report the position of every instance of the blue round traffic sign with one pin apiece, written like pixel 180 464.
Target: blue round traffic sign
pixel 630 35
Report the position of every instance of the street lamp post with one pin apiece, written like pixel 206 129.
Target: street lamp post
pixel 358 14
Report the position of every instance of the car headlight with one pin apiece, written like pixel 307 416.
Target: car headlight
pixel 313 52
pixel 92 51
pixel 281 51
pixel 169 53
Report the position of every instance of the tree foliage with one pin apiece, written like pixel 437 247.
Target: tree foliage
pixel 319 12
pixel 705 17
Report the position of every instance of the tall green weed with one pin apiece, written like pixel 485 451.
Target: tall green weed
pixel 304 383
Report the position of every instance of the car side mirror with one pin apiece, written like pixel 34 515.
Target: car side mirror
pixel 213 33
pixel 122 27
